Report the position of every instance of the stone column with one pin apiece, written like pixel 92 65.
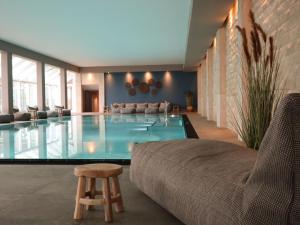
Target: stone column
pixel 7 82
pixel 221 117
pixel 210 85
pixel 199 89
pixel 204 88
pixel 101 92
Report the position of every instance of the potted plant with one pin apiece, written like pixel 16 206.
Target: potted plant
pixel 189 100
pixel 261 85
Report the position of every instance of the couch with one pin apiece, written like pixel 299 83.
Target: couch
pixel 6 118
pixel 205 182
pixel 51 113
pixel 148 108
pixel 21 116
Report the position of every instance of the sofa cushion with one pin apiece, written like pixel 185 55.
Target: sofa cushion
pixel 206 176
pixel 162 107
pixel 22 116
pixel 5 118
pixel 118 105
pixel 141 105
pixel 151 110
pixel 130 105
pixel 115 110
pixel 51 113
pixel 140 109
pixel 153 105
pixel 127 110
pixel 66 112
pixel 42 115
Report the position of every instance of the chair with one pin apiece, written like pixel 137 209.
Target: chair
pixel 62 111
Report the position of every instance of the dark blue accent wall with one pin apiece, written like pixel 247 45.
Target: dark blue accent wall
pixel 174 85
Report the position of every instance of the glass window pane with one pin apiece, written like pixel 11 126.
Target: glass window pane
pixel 24 82
pixel 71 88
pixel 52 86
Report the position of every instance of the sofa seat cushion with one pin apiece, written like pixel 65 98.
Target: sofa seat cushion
pixel 66 112
pixel 51 113
pixel 153 105
pixel 5 118
pixel 162 107
pixel 127 110
pixel 22 116
pixel 141 105
pixel 198 181
pixel 41 114
pixel 130 105
pixel 140 110
pixel 115 110
pixel 151 110
pixel 118 105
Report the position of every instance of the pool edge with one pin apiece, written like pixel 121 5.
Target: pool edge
pixel 189 129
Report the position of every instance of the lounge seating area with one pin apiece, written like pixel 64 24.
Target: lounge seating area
pixel 147 108
pixel 33 113
pixel 212 182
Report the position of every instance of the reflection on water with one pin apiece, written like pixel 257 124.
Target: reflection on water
pixel 85 137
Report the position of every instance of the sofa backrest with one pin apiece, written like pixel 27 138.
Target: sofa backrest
pixel 272 191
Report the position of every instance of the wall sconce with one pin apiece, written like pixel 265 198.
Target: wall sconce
pixel 129 77
pixel 148 76
pixel 168 78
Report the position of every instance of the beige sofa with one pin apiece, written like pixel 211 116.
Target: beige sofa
pixel 148 108
pixel 205 182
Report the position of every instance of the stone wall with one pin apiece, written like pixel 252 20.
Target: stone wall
pixel 281 19
pixel 222 84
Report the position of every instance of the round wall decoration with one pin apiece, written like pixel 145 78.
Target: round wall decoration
pixel 144 87
pixel 127 85
pixel 154 92
pixel 135 82
pixel 132 91
pixel 158 85
pixel 151 82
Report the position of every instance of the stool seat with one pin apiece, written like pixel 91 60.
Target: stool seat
pixel 87 191
pixel 102 170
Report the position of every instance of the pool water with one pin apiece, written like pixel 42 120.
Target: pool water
pixel 86 137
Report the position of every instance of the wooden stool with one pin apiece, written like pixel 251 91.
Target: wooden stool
pixel 85 197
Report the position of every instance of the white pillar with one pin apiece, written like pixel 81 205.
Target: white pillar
pixel 210 85
pixel 221 117
pixel 41 85
pixel 101 92
pixel 7 82
pixel 63 87
pixel 199 90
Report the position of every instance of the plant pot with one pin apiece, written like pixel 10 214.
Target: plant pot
pixel 189 108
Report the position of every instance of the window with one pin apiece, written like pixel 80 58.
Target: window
pixel 71 90
pixel 24 83
pixel 52 86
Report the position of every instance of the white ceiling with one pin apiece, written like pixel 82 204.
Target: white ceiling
pixel 100 32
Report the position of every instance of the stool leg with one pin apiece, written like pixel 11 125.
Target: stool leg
pixel 80 194
pixel 92 190
pixel 107 199
pixel 116 190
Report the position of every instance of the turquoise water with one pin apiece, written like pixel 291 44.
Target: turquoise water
pixel 86 137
